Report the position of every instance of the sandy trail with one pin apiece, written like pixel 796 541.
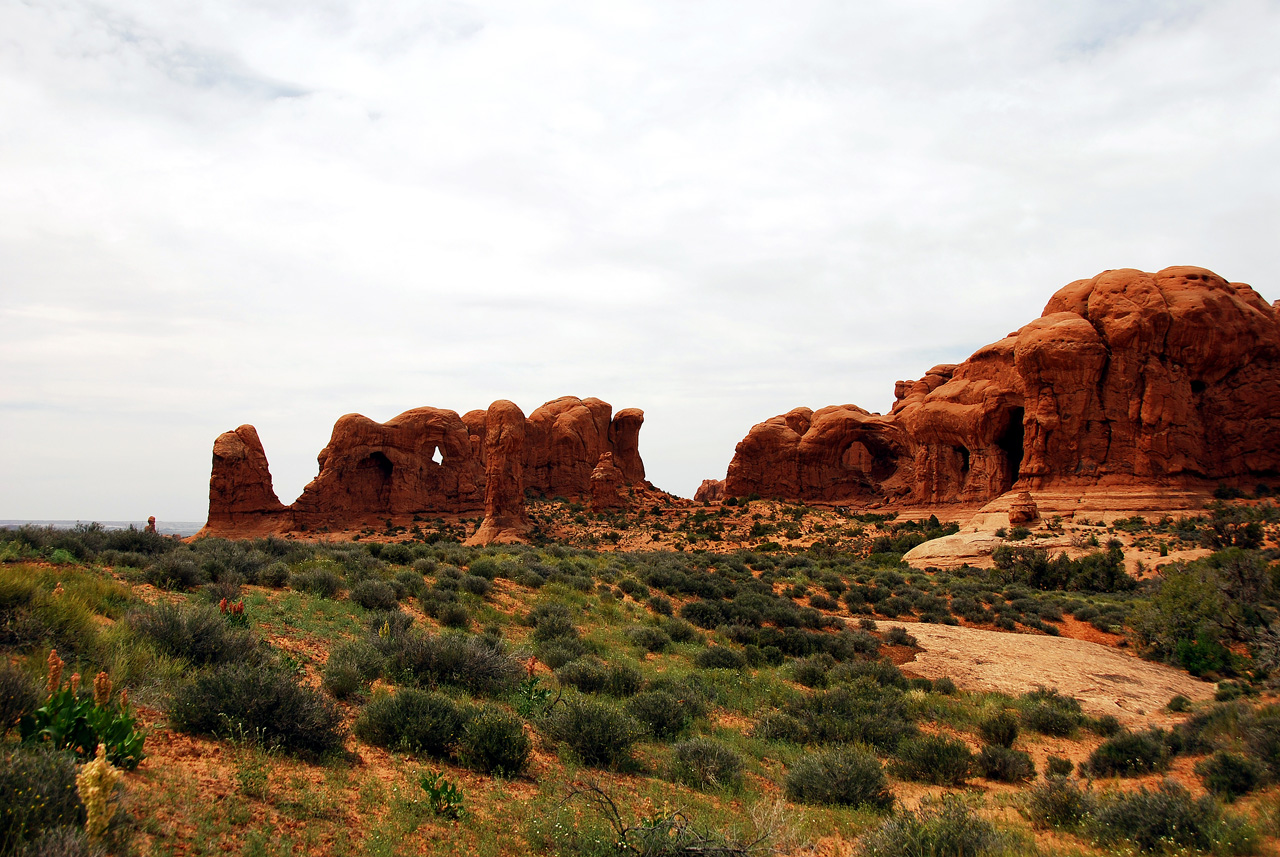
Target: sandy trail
pixel 1105 680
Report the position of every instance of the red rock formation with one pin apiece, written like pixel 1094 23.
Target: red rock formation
pixel 241 498
pixel 420 461
pixel 426 461
pixel 607 483
pixel 505 517
pixel 710 491
pixel 1127 378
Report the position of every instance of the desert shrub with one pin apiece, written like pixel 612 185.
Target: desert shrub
pixel 557 653
pixel 598 733
pixel 454 615
pixel 412 720
pixel 1000 728
pixel 259 702
pixel 1179 704
pixel 704 763
pixel 494 741
pixel 274 575
pixel 324 582
pixel 18 695
pixel 1230 776
pixel 780 726
pixel 62 841
pixel 898 636
pixel 351 667
pixel 633 587
pixel 1058 803
pixel 997 762
pixel 374 595
pixel 680 631
pixel 945 686
pixel 942 828
pixel 1166 818
pixel 661 713
pixel 720 658
pixel 552 621
pixel 1129 754
pixel 1260 730
pixel 586 674
pixel 861 712
pixel 649 638
pixel 37 793
pixel 622 680
pixel 1106 725
pixel 882 671
pixel 660 604
pixel 476 585
pixel 175 571
pixel 477 664
pixel 813 670
pixel 1056 766
pixel 196 633
pixel 937 759
pixel 844 776
pixel 1050 713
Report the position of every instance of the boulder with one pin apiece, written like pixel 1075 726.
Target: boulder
pixel 710 491
pixel 1023 509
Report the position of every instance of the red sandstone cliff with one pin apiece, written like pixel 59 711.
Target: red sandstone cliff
pixel 426 461
pixel 1127 378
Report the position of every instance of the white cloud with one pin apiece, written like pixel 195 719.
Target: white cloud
pixel 278 213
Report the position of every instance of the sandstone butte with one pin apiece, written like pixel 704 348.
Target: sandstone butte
pixel 431 461
pixel 1127 381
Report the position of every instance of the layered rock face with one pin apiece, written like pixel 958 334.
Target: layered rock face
pixel 425 461
pixel 1128 378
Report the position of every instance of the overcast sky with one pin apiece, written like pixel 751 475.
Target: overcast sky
pixel 216 213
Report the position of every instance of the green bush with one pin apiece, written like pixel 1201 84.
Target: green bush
pixel 622 680
pixel 1260 729
pixel 704 763
pixel 843 776
pixel 1059 803
pixel 18 695
pixel 996 762
pixel 660 712
pixel 862 712
pixel 1167 818
pixel 1056 766
pixel 552 621
pixel 475 584
pixel 720 658
pixel 480 665
pixel 374 595
pixel 196 633
pixel 649 638
pixel 586 674
pixel 412 720
pixel 258 702
pixel 175 571
pixel 1230 776
pixel 351 667
pixel 494 741
pixel 1050 713
pixel 74 721
pixel 454 615
pixel 881 671
pixel 813 671
pixel 999 729
pixel 937 759
pixel 1130 754
pixel 943 828
pixel 37 793
pixel 324 582
pixel 780 726
pixel 598 733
